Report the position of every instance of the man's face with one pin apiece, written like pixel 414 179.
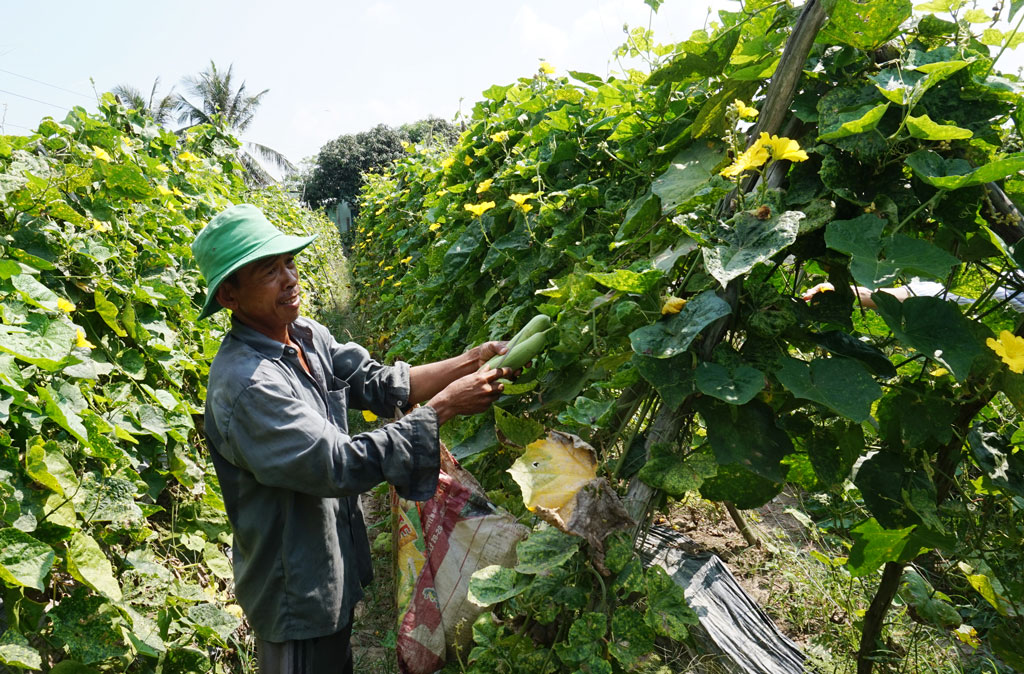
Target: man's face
pixel 267 295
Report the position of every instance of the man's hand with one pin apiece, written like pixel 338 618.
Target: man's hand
pixel 484 352
pixel 470 394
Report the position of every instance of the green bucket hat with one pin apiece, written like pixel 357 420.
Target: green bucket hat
pixel 235 237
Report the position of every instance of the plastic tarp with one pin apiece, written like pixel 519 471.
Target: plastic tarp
pixel 731 623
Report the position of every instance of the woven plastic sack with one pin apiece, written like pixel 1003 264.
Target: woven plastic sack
pixel 439 543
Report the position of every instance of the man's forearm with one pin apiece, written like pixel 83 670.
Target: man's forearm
pixel 426 381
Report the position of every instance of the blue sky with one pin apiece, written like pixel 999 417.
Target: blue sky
pixel 331 67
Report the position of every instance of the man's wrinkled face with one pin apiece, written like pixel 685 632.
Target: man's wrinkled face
pixel 265 296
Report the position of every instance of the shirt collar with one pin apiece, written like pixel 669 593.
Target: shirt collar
pixel 271 348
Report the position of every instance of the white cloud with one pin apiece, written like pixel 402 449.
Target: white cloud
pixel 382 14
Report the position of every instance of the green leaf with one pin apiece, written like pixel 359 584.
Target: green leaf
pixel 628 281
pixel 517 430
pixel 88 564
pixel 108 312
pixel 45 464
pixel 737 484
pixel 833 450
pixel 24 561
pixel 545 549
pixel 640 215
pixel 672 378
pixel 843 344
pixel 587 413
pixel 45 341
pixel 126 181
pixel 632 639
pixel 746 435
pixel 736 387
pixel 864 24
pixel 667 611
pixel 859 120
pixel 15 651
pixel 495 583
pixel 675 475
pixel 751 241
pixel 995 456
pixel 933 327
pixel 668 338
pixel 699 59
pixel 34 292
pixel 840 384
pixel 106 499
pixel 63 407
pixel 585 641
pixel 690 171
pixel 873 546
pixel 923 127
pixel 953 174
pixel 711 118
pixel 929 604
pixel 213 622
pixel 89 626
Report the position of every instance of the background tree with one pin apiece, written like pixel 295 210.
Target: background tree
pixel 337 172
pixel 160 109
pixel 217 102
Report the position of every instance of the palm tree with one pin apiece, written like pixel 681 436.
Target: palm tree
pixel 160 109
pixel 221 105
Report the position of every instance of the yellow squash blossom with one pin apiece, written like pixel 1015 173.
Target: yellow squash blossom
pixel 381 210
pixel 1010 348
pixel 447 162
pixel 753 157
pixel 163 168
pixel 81 342
pixel 100 153
pixel 499 137
pixel 467 160
pixel 64 305
pixel 546 68
pixel 406 260
pixel 672 305
pixel 782 148
pixel 100 226
pixel 526 208
pixel 187 156
pixel 434 227
pixel 479 209
pixel 520 199
pixel 484 185
pixel 369 416
pixel 163 191
pixel 745 111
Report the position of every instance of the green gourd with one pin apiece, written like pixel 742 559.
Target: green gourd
pixel 524 346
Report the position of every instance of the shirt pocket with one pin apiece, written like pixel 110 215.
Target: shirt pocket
pixel 337 403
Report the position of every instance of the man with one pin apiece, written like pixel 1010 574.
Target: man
pixel 276 422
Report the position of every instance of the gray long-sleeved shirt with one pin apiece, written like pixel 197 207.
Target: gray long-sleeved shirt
pixel 291 474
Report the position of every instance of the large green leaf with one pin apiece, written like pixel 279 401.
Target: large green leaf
pixel 833 450
pixel 864 24
pixel 640 215
pixel 493 584
pixel 844 344
pixel 17 652
pixel 24 561
pixel 632 639
pixel 933 327
pixel 42 341
pixel 874 545
pixel 840 384
pixel 672 378
pixel 712 116
pixel 677 475
pixel 667 611
pixel 740 486
pixel 995 456
pixel 517 430
pixel 544 550
pixel 923 127
pixel 953 174
pixel 213 622
pixel 690 171
pixel 705 59
pixel 858 120
pixel 749 242
pixel 670 337
pixel 63 406
pixel 735 386
pixel 932 606
pixel 88 563
pixel 89 626
pixel 46 464
pixel 624 280
pixel 34 292
pixel 746 435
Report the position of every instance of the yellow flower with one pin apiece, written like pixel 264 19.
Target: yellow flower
pixel 389 267
pixel 163 191
pixel 434 227
pixel 405 145
pixel 447 162
pixel 753 157
pixel 479 209
pixel 1010 348
pixel 499 137
pixel 406 260
pixel 100 153
pixel 187 156
pixel 81 342
pixel 381 209
pixel 162 168
pixel 672 305
pixel 526 208
pixel 546 68
pixel 369 416
pixel 443 191
pixel 745 111
pixel 64 305
pixel 467 160
pixel 484 185
pixel 100 226
pixel 782 148
pixel 520 199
